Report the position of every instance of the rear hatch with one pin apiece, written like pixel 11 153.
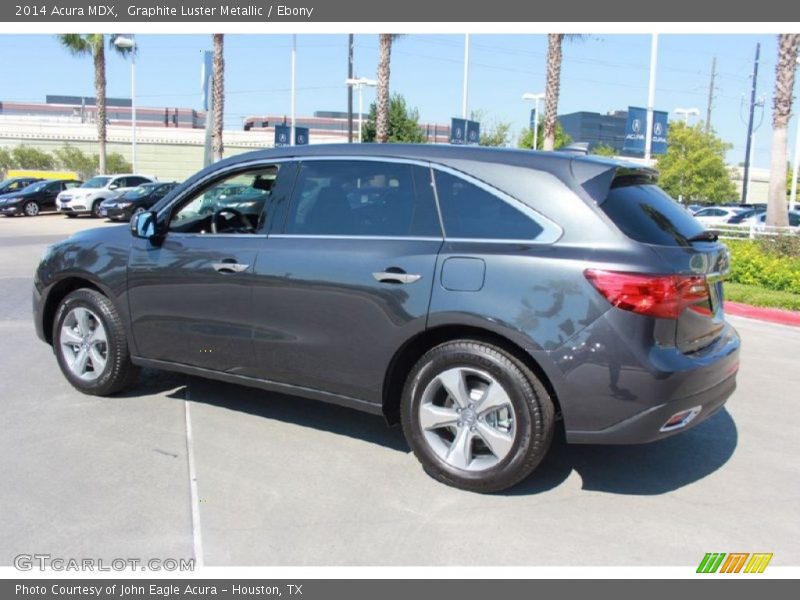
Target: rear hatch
pixel 699 262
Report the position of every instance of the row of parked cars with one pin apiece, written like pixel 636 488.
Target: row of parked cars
pixel 116 197
pixel 754 215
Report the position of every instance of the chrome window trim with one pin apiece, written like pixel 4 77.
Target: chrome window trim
pixel 401 238
pixel 551 231
pixel 181 234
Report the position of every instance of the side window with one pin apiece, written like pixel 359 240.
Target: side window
pixel 71 184
pixel 469 211
pixel 363 198
pixel 230 205
pixel 135 181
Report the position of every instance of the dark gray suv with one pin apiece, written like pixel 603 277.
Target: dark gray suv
pixel 480 297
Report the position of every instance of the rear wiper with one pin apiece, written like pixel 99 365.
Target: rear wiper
pixel 709 235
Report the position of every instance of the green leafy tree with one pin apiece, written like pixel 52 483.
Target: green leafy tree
pixel 693 168
pixel 562 138
pixel 403 125
pixel 5 161
pixel 603 150
pixel 116 163
pixel 71 158
pixel 496 134
pixel 26 157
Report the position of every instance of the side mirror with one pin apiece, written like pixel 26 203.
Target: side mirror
pixel 143 225
pixel 113 186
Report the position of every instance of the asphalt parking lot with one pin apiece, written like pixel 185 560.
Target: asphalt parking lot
pixel 288 481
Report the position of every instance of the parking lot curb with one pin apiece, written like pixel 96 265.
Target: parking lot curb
pixel 773 315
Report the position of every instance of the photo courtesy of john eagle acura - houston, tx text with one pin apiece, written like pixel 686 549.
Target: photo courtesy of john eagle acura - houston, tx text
pixel 481 298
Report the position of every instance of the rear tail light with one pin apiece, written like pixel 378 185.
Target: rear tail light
pixel 662 296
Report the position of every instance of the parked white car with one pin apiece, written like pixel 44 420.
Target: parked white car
pixel 716 215
pixel 86 199
pixel 760 221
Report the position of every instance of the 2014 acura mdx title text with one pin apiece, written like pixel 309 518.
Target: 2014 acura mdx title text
pixel 480 297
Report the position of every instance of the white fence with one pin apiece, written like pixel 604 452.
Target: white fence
pixel 751 231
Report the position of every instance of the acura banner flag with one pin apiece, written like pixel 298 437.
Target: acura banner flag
pixel 636 130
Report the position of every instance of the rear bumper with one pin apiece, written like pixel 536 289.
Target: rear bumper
pixel 646 426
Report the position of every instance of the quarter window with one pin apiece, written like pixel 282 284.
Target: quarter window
pixel 363 198
pixel 469 211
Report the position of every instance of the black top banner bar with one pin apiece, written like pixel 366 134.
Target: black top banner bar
pixel 441 11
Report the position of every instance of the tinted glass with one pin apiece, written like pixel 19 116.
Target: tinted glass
pixel 363 198
pixel 471 212
pixel 647 214
pixel 96 182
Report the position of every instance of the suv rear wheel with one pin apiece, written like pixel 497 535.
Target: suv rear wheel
pixel 476 417
pixel 91 345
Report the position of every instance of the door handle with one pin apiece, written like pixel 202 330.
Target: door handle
pixel 229 265
pixel 395 275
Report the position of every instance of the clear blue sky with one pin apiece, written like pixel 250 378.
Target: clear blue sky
pixel 600 73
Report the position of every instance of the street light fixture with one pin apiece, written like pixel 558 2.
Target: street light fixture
pixel 359 83
pixel 125 42
pixel 687 112
pixel 535 99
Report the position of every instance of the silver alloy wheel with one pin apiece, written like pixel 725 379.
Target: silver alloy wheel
pixel 139 210
pixel 84 344
pixel 467 419
pixel 31 209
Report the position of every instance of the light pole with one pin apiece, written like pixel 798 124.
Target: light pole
pixel 687 112
pixel 793 195
pixel 535 98
pixel 359 84
pixel 128 43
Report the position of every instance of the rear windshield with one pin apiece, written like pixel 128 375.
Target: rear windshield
pixel 645 213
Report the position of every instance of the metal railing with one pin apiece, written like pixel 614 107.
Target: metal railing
pixel 739 231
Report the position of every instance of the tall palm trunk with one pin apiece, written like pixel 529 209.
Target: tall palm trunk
pixel 382 93
pixel 218 95
pixel 100 103
pixel 553 88
pixel 781 112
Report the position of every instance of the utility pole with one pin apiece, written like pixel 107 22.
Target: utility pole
pixel 748 145
pixel 466 77
pixel 711 92
pixel 350 89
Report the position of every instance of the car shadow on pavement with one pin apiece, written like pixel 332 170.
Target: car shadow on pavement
pixel 638 470
pixel 643 469
pixel 299 411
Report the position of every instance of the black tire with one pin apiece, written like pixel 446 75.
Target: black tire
pixel 96 208
pixel 30 209
pixel 71 215
pixel 533 415
pixel 119 372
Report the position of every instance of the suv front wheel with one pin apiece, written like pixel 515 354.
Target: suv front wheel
pixel 96 208
pixel 476 417
pixel 91 345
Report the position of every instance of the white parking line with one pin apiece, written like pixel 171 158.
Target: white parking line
pixel 197 537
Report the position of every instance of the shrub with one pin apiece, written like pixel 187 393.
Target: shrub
pixel 767 264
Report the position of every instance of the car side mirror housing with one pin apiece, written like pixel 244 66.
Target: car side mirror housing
pixel 113 186
pixel 144 225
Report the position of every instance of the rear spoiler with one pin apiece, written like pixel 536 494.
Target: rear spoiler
pixel 597 177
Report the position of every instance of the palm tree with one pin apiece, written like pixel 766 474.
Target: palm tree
pixel 93 44
pixel 781 112
pixel 382 96
pixel 553 86
pixel 218 95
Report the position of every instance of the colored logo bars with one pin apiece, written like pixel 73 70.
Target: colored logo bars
pixel 719 562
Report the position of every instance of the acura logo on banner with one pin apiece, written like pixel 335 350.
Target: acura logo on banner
pixel 458 131
pixel 282 135
pixel 301 136
pixel 636 128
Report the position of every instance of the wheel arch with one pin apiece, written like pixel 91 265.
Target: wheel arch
pixel 408 355
pixel 60 290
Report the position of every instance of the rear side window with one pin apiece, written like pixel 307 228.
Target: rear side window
pixel 363 198
pixel 469 211
pixel 645 213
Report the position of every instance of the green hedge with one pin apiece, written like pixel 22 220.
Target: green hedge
pixel 770 264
